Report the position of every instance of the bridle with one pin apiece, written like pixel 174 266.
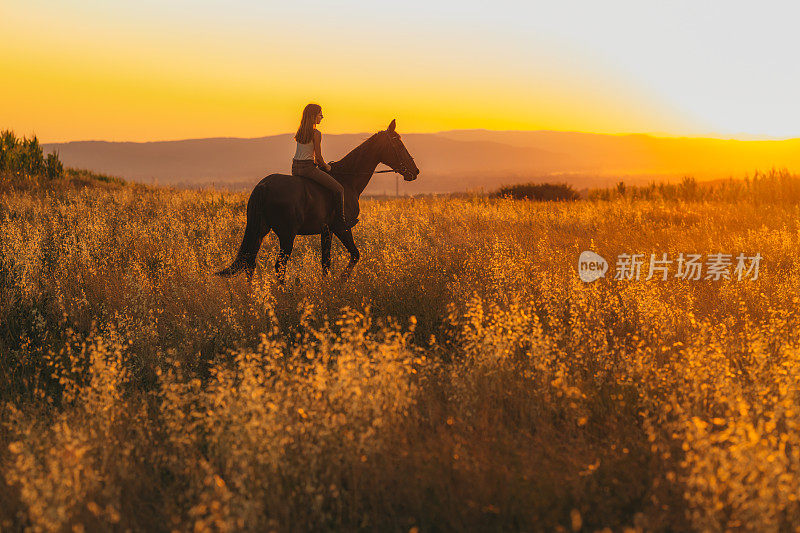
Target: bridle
pixel 403 170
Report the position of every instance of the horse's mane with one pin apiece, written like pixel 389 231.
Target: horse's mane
pixel 355 156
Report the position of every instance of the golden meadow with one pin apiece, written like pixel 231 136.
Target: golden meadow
pixel 463 378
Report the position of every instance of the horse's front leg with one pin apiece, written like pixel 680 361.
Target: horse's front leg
pixel 325 246
pixel 346 236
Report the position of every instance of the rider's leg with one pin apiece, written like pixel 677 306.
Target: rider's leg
pixel 311 171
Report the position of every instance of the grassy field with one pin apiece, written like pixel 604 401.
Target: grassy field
pixel 464 378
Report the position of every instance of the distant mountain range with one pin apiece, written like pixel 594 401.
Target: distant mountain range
pixel 450 161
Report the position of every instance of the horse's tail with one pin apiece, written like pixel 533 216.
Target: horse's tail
pixel 254 233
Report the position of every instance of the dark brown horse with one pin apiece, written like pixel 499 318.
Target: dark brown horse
pixel 292 206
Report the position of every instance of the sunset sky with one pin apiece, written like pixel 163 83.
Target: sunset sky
pixel 156 70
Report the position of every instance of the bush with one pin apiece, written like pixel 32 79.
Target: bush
pixel 53 168
pixel 25 156
pixel 538 191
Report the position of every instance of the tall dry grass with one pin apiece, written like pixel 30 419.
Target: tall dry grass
pixel 464 378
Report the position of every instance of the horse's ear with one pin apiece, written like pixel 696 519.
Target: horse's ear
pixel 391 126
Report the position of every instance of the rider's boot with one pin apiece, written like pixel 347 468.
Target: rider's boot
pixel 339 214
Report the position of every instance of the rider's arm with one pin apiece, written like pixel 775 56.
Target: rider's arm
pixel 318 150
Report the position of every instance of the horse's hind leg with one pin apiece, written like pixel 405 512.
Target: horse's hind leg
pixel 325 247
pixel 286 244
pixel 254 233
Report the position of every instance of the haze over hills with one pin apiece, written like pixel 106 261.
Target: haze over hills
pixel 450 161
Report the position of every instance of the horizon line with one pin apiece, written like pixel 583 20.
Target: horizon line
pixel 657 135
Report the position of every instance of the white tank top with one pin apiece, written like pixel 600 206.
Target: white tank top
pixel 305 151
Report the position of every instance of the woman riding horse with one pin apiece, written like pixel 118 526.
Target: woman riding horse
pixel 291 206
pixel 309 152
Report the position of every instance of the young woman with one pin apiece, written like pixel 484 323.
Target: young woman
pixel 308 150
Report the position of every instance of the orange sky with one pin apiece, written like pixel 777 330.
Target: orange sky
pixel 149 71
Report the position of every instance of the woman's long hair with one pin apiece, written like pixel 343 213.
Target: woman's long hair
pixel 305 131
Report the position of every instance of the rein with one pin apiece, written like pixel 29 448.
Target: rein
pixel 352 173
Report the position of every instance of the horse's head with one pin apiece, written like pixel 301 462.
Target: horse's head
pixel 393 153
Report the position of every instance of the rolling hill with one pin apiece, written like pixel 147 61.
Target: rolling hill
pixel 451 161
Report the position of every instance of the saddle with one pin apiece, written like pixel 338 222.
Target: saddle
pixel 351 208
